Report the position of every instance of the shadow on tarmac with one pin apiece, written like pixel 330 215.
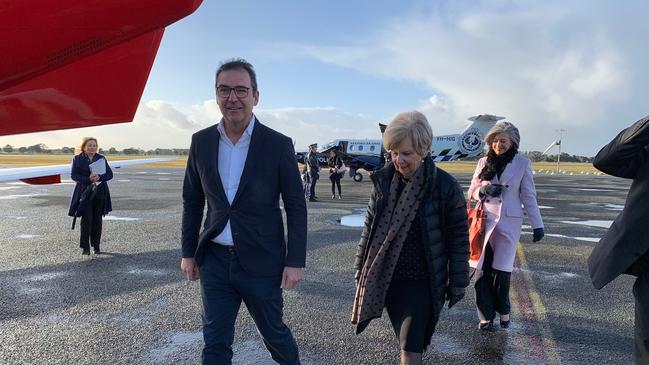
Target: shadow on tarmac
pixel 36 290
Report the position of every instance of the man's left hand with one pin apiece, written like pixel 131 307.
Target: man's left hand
pixel 291 276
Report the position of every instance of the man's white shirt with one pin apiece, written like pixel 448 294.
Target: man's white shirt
pixel 232 159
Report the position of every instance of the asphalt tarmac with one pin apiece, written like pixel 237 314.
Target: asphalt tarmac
pixel 132 305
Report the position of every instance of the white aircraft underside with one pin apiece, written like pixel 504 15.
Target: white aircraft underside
pixel 32 172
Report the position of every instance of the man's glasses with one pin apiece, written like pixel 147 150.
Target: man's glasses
pixel 224 91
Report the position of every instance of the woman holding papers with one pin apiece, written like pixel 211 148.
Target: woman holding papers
pixel 91 197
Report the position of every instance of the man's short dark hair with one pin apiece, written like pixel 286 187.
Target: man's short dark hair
pixel 238 64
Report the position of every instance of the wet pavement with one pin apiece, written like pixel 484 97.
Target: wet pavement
pixel 132 305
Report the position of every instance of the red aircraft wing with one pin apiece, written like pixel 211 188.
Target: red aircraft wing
pixel 71 63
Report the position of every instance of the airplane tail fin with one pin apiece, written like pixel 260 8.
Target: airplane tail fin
pixel 471 141
pixel 482 123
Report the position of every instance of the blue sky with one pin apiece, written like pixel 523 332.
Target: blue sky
pixel 332 69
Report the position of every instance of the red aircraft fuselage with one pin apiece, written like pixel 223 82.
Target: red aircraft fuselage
pixel 70 63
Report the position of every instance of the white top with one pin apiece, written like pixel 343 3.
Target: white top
pixel 232 159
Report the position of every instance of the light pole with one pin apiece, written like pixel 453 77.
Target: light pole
pixel 559 155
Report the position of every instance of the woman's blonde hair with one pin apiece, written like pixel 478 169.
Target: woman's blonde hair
pixel 413 125
pixel 83 144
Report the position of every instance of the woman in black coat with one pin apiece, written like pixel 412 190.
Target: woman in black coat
pixel 414 250
pixel 335 164
pixel 95 205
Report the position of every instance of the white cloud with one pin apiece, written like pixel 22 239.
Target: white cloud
pixel 162 124
pixel 544 65
pixel 157 124
pixel 318 124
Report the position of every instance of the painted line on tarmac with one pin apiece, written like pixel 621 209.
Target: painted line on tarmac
pixel 529 304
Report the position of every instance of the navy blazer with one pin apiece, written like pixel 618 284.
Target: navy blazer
pixel 626 156
pixel 270 171
pixel 80 173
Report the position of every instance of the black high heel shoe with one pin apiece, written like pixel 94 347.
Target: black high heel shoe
pixel 505 324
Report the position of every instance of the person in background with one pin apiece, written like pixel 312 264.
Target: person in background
pixel 414 250
pixel 503 182
pixel 387 157
pixel 313 169
pixel 242 254
pixel 624 249
pixel 335 173
pixel 306 181
pixel 92 210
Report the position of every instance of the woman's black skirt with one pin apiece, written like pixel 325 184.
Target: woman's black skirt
pixel 410 309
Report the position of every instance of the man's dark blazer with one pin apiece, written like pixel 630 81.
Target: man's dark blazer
pixel 626 156
pixel 255 217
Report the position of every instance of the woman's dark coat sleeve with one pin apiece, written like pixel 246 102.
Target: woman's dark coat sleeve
pixel 77 173
pixel 456 235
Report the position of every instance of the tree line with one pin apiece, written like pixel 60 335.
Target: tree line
pixel 537 156
pixel 41 148
pixel 534 156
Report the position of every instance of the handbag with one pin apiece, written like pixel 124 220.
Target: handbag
pixel 341 169
pixel 86 196
pixel 477 221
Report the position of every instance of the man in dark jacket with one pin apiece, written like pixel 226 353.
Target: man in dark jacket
pixel 625 247
pixel 313 169
pixel 241 253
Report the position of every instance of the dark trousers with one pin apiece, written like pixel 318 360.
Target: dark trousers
pixel 641 294
pixel 491 289
pixel 224 284
pixel 91 224
pixel 314 180
pixel 335 181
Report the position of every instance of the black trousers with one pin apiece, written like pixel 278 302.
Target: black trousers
pixel 335 181
pixel 491 289
pixel 641 294
pixel 314 179
pixel 224 284
pixel 91 224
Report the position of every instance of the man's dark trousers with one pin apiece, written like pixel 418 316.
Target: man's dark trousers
pixel 224 284
pixel 641 294
pixel 314 179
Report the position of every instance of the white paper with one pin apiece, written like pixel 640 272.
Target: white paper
pixel 98 167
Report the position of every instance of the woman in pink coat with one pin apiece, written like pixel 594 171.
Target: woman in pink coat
pixel 503 182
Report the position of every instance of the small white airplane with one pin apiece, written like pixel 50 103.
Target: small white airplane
pixel 368 154
pixel 43 175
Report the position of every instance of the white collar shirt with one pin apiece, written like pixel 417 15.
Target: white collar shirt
pixel 232 159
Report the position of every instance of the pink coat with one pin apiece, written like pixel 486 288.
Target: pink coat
pixel 505 213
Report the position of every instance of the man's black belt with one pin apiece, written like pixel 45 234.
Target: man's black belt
pixel 227 248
